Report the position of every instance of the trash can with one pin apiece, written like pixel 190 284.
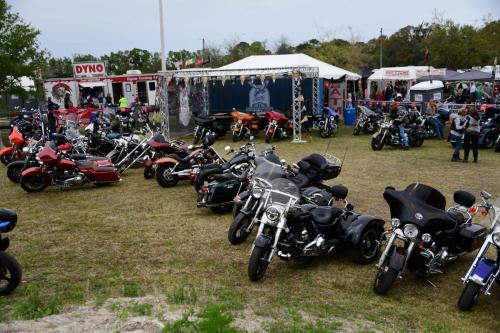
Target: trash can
pixel 349 116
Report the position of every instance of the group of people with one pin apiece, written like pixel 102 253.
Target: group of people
pixel 462 93
pixel 465 127
pixel 390 91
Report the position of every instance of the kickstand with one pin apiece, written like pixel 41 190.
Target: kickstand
pixel 432 284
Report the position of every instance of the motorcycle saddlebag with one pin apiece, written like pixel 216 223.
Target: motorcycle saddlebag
pixel 8 220
pixel 471 237
pixel 104 173
pixel 223 192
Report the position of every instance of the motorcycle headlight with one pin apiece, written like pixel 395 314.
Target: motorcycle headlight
pixel 395 222
pixel 273 213
pixel 257 190
pixel 410 231
pixel 426 238
pixel 496 239
pixel 26 150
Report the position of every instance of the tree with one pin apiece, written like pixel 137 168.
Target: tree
pixel 19 51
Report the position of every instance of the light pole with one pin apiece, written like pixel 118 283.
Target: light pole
pixel 164 114
pixel 162 37
pixel 380 47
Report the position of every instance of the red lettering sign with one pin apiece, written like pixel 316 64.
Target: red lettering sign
pixel 89 69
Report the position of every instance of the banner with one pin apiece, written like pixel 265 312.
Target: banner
pixel 89 69
pixel 433 72
pixel 396 74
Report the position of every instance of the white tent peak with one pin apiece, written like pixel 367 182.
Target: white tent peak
pixel 326 70
pixel 428 85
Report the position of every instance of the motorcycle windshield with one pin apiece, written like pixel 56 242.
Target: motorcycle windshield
pixel 487 220
pixel 283 190
pixel 267 170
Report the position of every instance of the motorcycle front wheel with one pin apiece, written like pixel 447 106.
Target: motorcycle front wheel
pixel 469 296
pixel 6 159
pixel 236 137
pixel 237 233
pixel 32 184
pixel 10 273
pixel 14 171
pixel 355 130
pixel 325 133
pixel 257 265
pixel 384 280
pixel 164 177
pixel 377 143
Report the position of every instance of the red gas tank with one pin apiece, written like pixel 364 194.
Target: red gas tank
pixel 65 164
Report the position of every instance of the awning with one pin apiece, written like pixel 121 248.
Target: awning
pixel 92 84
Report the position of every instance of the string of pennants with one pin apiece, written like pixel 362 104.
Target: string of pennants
pixel 223 78
pixel 192 61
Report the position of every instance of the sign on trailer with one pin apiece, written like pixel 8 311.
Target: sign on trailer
pixel 89 69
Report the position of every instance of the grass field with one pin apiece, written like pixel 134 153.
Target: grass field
pixel 136 238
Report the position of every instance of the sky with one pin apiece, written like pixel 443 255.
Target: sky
pixel 99 27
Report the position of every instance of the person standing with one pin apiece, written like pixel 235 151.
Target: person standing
pixel 471 135
pixel 123 104
pixel 457 132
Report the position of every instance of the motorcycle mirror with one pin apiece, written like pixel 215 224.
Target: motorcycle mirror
pixel 349 207
pixel 227 148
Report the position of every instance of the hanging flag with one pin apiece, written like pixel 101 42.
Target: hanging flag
pixel 199 61
pixel 427 55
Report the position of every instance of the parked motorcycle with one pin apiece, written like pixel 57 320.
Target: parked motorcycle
pixel 172 168
pixel 10 270
pixel 328 125
pixel 388 134
pixel 490 131
pixel 159 148
pixel 368 121
pixel 425 236
pixel 57 168
pixel 245 125
pixel 14 152
pixel 485 269
pixel 278 127
pixel 203 127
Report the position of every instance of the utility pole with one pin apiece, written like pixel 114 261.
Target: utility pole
pixel 380 47
pixel 162 36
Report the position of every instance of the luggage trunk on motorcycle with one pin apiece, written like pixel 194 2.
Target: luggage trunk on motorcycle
pixel 331 171
pixel 471 237
pixel 224 192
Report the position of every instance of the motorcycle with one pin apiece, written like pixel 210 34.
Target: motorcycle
pixel 203 127
pixel 388 134
pixel 368 121
pixel 245 125
pixel 309 231
pixel 160 147
pixel 424 236
pixel 328 125
pixel 278 126
pixel 484 270
pixel 490 131
pixel 57 168
pixel 172 168
pixel 14 152
pixel 10 270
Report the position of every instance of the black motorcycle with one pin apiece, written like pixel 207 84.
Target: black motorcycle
pixel 10 270
pixel 367 122
pixel 490 131
pixel 424 235
pixel 388 134
pixel 203 127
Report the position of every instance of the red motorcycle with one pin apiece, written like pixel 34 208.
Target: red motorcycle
pixel 14 152
pixel 278 127
pixel 57 168
pixel 161 147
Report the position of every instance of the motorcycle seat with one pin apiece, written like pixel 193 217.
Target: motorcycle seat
pixel 158 137
pixel 78 157
pixel 180 159
pixel 325 215
pixel 225 177
pixel 300 180
pixel 85 163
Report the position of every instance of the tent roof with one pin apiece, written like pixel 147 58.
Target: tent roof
pixel 472 75
pixel 427 85
pixel 326 70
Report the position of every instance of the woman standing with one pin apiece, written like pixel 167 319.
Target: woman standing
pixel 471 135
pixel 457 132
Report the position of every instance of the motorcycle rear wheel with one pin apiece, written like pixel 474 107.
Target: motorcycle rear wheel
pixel 10 273
pixel 384 280
pixel 417 142
pixel 163 179
pixel 32 184
pixel 368 248
pixel 14 171
pixel 469 296
pixel 257 265
pixel 237 233
pixel 377 144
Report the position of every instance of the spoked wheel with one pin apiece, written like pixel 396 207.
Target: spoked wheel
pixel 384 280
pixel 469 296
pixel 257 265
pixel 164 175
pixel 10 273
pixel 377 143
pixel 237 231
pixel 368 247
pixel 148 172
pixel 14 171
pixel 33 183
pixel 325 133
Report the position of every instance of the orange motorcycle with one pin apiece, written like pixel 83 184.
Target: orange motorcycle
pixel 244 126
pixel 14 152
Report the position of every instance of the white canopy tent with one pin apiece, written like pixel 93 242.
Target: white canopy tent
pixel 326 70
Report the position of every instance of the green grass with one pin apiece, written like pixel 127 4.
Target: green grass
pixel 136 238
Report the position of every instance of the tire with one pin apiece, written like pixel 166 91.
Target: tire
pixel 355 130
pixel 469 296
pixel 324 133
pixel 196 139
pixel 236 137
pixel 10 273
pixel 165 182
pixel 236 234
pixel 368 249
pixel 488 142
pixel 6 159
pixel 269 138
pixel 236 209
pixel 32 184
pixel 376 144
pixel 257 266
pixel 14 171
pixel 221 209
pixel 497 147
pixel 384 280
pixel 417 142
pixel 148 172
